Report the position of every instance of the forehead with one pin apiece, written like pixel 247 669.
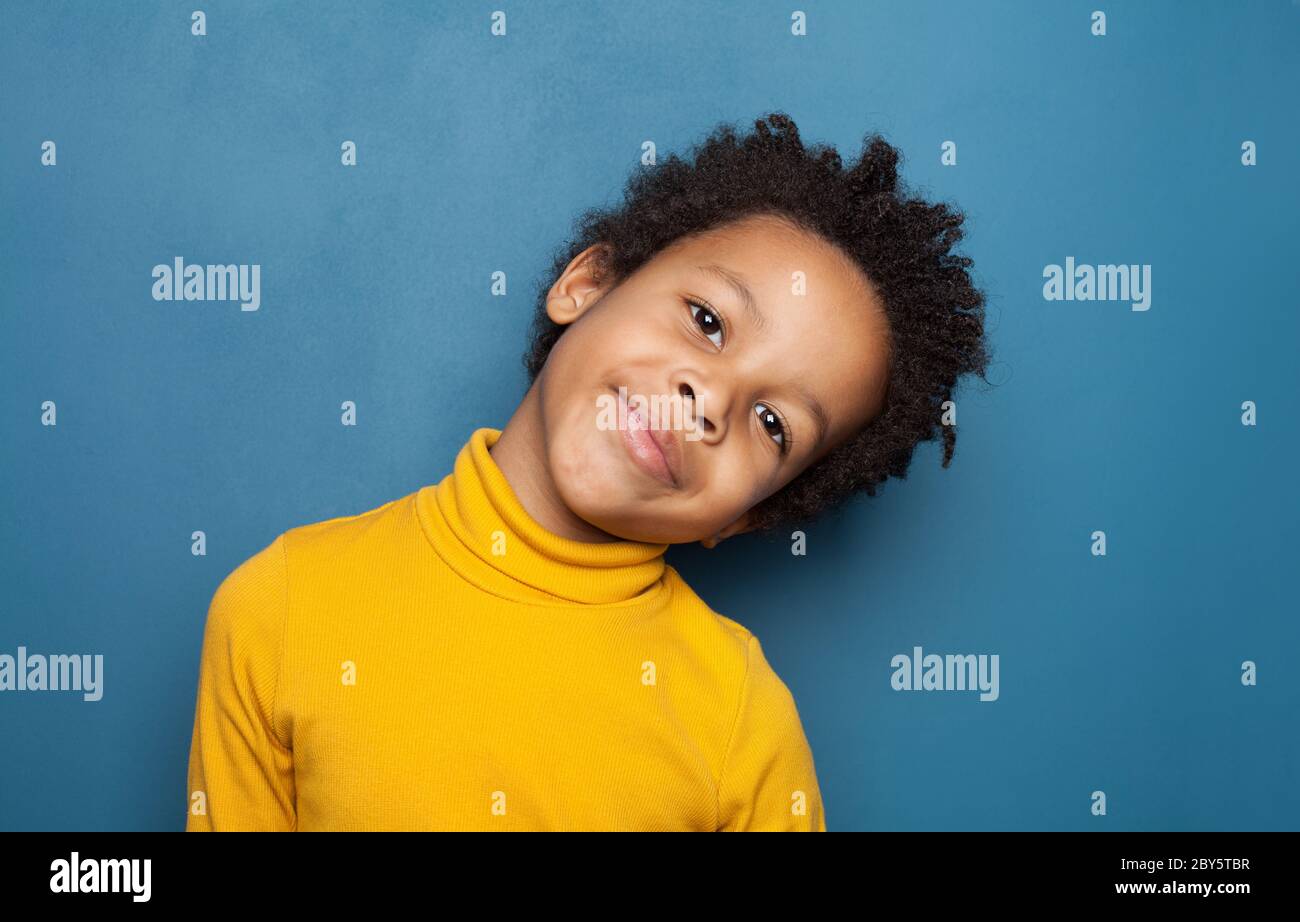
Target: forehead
pixel 769 252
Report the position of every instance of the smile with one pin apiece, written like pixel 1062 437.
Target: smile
pixel 642 447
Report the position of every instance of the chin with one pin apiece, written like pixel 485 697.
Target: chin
pixel 594 501
pixel 599 498
pixel 631 523
pixel 635 530
pixel 590 489
pixel 599 487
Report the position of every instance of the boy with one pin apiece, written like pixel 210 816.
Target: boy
pixel 507 649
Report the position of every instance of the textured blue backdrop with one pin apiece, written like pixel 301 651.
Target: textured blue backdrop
pixel 1118 673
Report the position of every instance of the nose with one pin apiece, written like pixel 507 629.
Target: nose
pixel 705 412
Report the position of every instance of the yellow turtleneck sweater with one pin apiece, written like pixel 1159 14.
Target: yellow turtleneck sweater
pixel 443 662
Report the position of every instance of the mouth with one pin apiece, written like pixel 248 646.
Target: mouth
pixel 655 451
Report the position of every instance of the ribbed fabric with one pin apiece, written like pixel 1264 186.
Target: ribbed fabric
pixel 443 662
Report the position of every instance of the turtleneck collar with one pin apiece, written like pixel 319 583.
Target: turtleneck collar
pixel 478 525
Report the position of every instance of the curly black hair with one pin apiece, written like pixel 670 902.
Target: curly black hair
pixel 903 244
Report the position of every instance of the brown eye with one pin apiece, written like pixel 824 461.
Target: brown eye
pixel 708 321
pixel 772 424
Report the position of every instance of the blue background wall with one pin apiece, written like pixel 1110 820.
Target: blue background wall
pixel 1118 673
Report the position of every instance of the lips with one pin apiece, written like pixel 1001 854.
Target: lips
pixel 656 451
pixel 671 449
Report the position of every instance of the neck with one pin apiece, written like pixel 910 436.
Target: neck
pixel 521 454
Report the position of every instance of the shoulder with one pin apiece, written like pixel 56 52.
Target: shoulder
pixel 249 603
pixel 723 640
pixel 321 556
pixel 332 536
pixel 739 663
pixel 259 585
pixel 728 635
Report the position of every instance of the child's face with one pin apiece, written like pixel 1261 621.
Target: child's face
pixel 827 345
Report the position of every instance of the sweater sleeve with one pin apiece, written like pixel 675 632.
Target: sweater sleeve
pixel 240 770
pixel 768 781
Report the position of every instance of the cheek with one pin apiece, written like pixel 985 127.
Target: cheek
pixel 580 482
pixel 738 501
pixel 736 484
pixel 574 444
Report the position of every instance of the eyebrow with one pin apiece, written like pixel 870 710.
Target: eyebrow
pixel 816 409
pixel 742 292
pixel 759 321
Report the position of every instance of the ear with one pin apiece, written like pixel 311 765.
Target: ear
pixel 580 285
pixel 738 527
